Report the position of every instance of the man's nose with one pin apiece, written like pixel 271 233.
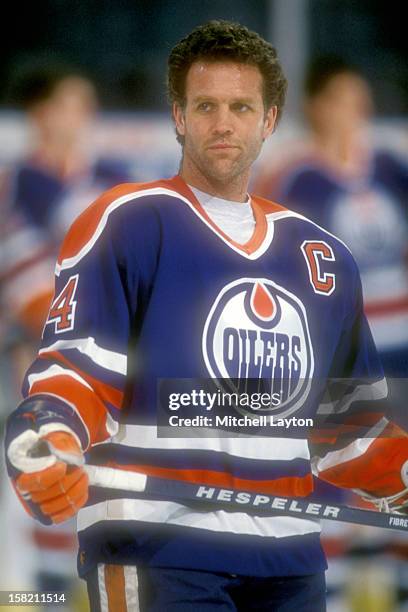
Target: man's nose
pixel 223 121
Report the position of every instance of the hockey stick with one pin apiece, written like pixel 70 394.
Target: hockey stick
pixel 217 498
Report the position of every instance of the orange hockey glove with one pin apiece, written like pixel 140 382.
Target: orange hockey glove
pixel 51 489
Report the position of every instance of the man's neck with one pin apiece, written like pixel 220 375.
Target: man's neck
pixel 235 189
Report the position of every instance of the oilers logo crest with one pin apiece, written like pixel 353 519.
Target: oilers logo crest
pixel 258 330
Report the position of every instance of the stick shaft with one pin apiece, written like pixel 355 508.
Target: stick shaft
pixel 217 498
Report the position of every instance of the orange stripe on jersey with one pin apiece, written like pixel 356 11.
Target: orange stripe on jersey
pixel 260 208
pixel 86 224
pixel 115 588
pixel 378 470
pixel 88 404
pixel 267 206
pixel 104 391
pixel 181 186
pixel 292 485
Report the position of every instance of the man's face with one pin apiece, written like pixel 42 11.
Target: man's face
pixel 68 111
pixel 342 106
pixel 224 121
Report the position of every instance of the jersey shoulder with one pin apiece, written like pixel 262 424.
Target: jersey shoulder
pixel 128 208
pixel 301 229
pixel 307 226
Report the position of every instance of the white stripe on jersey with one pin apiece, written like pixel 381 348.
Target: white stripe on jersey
pixel 371 391
pixel 70 262
pixel 240 445
pixel 115 362
pixel 131 588
pixel 171 513
pixel 103 596
pixel 290 213
pixel 56 370
pixel 351 451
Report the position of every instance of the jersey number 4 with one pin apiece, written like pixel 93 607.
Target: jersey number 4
pixel 62 311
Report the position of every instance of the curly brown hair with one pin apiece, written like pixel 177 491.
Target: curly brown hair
pixel 220 40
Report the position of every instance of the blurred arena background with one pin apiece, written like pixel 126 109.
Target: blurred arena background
pixel 121 48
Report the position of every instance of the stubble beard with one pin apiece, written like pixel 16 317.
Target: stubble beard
pixel 218 171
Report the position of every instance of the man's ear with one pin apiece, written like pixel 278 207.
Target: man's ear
pixel 178 116
pixel 270 121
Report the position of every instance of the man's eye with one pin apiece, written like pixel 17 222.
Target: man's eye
pixel 240 107
pixel 205 106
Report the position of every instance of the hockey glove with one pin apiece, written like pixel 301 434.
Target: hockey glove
pixel 378 472
pixel 397 502
pixel 46 470
pixel 387 472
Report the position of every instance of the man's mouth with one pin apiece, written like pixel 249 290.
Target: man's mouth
pixel 222 146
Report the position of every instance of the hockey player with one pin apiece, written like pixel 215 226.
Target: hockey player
pixel 45 190
pixel 192 278
pixel 40 195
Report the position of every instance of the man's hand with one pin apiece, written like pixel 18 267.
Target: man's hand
pixel 387 501
pixel 49 478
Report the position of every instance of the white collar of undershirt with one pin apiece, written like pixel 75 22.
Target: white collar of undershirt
pixel 210 202
pixel 235 219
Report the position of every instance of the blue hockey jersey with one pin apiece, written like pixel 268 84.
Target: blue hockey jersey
pixel 368 212
pixel 148 288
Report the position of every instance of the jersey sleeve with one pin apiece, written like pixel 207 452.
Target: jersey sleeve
pixel 356 445
pixel 103 277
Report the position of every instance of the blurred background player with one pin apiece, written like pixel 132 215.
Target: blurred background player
pixel 337 177
pixel 40 197
pixel 44 192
